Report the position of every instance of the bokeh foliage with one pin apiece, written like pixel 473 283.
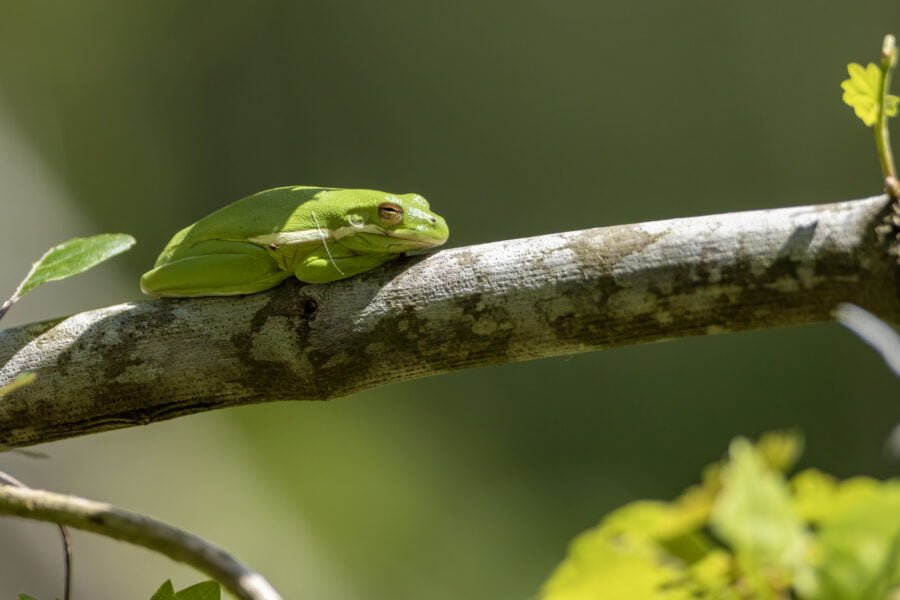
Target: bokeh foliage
pixel 745 532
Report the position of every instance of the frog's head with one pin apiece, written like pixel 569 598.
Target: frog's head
pixel 381 222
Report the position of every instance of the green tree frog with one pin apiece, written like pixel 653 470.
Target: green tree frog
pixel 316 234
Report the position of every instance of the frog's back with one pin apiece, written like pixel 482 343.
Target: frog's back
pixel 264 212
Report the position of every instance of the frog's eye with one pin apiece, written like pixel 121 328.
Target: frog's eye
pixel 390 213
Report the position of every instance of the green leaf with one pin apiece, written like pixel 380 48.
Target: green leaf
pixel 674 527
pixel 891 103
pixel 646 549
pixel 205 590
pixel 819 498
pixel 20 381
pixel 596 567
pixel 862 92
pixel 859 542
pixel 165 592
pixel 780 450
pixel 754 515
pixel 714 574
pixel 73 257
pixel 26 597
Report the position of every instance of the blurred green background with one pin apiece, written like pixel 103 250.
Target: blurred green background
pixel 514 119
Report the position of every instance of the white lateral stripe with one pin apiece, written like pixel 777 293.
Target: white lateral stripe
pixel 342 232
pixel 288 238
pixel 307 236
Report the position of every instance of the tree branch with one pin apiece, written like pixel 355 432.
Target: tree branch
pixel 515 300
pixel 105 519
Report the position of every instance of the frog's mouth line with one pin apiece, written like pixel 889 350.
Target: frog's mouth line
pixel 409 236
pixel 342 232
pixel 417 241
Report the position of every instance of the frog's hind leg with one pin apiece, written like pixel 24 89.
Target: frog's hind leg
pixel 215 268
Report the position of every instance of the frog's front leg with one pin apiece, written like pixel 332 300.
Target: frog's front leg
pixel 215 268
pixel 336 262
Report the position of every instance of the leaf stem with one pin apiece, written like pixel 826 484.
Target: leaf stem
pixel 880 129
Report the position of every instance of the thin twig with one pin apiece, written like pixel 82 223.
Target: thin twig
pixel 105 519
pixel 5 307
pixel 7 479
pixel 882 133
pixel 18 292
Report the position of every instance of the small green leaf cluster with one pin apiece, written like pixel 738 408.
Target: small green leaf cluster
pixel 747 531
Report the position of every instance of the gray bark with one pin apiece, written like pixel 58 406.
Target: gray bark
pixel 514 300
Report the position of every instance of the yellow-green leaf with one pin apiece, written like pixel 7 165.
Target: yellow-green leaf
pixel 859 545
pixel 890 105
pixel 714 572
pixel 819 497
pixel 627 569
pixel 754 515
pixel 780 449
pixel 862 92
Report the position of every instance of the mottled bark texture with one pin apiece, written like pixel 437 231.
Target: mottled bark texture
pixel 507 301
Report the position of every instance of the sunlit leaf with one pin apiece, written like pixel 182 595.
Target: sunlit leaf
pixel 753 514
pixel 891 105
pixel 715 574
pixel 674 527
pixel 73 257
pixel 643 550
pixel 862 92
pixel 598 568
pixel 859 543
pixel 645 520
pixel 819 497
pixel 780 449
